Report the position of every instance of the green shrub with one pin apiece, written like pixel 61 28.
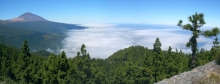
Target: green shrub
pixel 218 57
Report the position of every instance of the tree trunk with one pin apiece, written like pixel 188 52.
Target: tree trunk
pixel 155 77
pixel 193 60
pixel 194 49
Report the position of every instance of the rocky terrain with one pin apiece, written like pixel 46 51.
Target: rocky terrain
pixel 206 74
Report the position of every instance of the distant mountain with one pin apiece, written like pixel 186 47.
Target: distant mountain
pixel 29 21
pixel 41 26
pixel 40 33
pixel 28 17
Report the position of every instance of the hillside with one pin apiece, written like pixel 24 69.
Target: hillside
pixel 41 26
pixel 134 64
pixel 41 34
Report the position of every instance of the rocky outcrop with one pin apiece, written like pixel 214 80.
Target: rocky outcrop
pixel 194 76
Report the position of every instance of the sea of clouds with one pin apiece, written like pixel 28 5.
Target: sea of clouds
pixel 102 40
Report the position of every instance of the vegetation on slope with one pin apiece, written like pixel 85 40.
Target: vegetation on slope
pixel 135 64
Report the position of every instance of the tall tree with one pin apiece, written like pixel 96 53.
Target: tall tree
pixel 83 50
pixel 169 50
pixel 170 63
pixel 63 66
pixel 82 66
pixel 215 43
pixel 23 63
pixel 157 59
pixel 197 21
pixel 7 55
pixel 50 70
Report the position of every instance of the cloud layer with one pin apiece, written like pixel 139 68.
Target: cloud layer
pixel 102 40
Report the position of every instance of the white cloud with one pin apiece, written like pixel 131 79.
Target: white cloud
pixel 102 40
pixel 50 50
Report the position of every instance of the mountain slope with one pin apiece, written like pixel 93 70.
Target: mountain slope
pixel 28 17
pixel 42 26
pixel 41 34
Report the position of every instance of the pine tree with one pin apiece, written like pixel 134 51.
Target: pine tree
pixel 197 21
pixel 7 55
pixel 36 69
pixel 98 75
pixel 157 59
pixel 50 70
pixel 213 53
pixel 170 59
pixel 25 51
pixel 215 43
pixel 63 68
pixel 23 62
pixel 82 66
pixel 83 50
pixel 169 50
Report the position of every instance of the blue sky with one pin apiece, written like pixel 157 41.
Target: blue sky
pixel 114 11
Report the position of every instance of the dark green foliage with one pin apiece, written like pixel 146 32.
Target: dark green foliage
pixel 8 55
pixel 133 65
pixel 157 59
pixel 82 66
pixel 216 43
pixel 197 21
pixel 50 70
pixel 98 74
pixel 214 32
pixel 169 64
pixel 23 61
pixel 63 66
pixel 55 69
pixel 218 57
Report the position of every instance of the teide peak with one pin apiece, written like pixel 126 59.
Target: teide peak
pixel 28 17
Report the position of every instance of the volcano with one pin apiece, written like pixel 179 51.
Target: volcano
pixel 28 17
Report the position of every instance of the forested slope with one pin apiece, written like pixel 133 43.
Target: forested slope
pixel 135 64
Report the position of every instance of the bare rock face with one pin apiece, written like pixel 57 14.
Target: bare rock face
pixel 206 74
pixel 28 17
pixel 211 78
